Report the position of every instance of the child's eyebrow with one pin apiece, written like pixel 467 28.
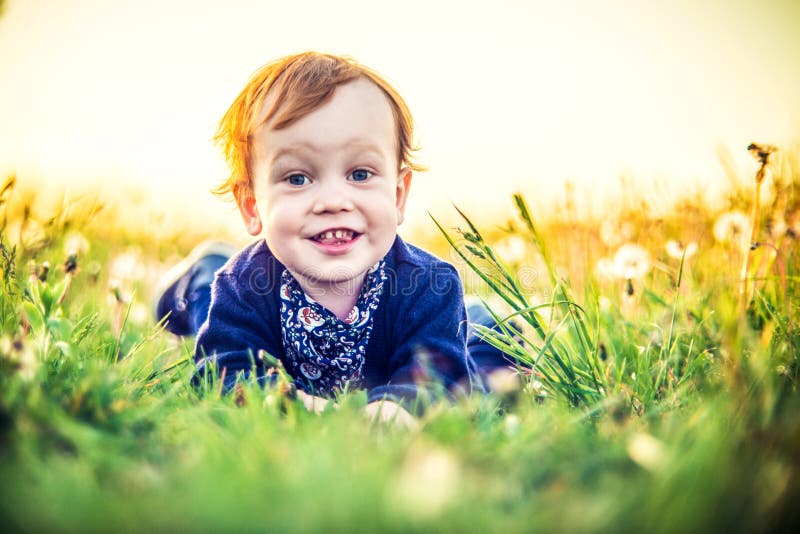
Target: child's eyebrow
pixel 303 148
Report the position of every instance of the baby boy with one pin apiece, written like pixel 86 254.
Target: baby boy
pixel 320 152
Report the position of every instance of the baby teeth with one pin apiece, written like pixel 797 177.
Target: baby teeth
pixel 335 234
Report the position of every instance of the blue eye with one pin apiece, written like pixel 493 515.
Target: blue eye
pixel 297 179
pixel 360 175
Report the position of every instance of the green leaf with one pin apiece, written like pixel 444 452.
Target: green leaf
pixel 34 316
pixel 59 327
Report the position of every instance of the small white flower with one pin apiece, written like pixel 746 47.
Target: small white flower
pixel 732 227
pixel 632 261
pixel 676 249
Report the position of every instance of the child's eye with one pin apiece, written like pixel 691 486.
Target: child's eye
pixel 360 175
pixel 297 179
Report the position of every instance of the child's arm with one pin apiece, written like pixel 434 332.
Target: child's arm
pixel 234 332
pixel 429 356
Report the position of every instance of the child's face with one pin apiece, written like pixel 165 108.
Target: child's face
pixel 327 192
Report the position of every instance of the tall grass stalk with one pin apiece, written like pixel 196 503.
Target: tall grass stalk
pixel 762 154
pixel 561 352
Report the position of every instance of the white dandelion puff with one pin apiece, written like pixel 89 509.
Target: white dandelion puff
pixel 676 249
pixel 632 261
pixel 732 227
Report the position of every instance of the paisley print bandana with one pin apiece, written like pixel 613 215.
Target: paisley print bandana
pixel 324 353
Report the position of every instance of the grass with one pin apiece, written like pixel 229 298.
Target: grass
pixel 649 402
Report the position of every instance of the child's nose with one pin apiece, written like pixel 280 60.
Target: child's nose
pixel 333 196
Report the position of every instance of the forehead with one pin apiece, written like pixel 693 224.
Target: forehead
pixel 357 112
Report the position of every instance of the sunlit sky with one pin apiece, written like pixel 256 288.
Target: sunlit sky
pixel 506 94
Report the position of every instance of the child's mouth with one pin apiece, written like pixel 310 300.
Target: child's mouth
pixel 335 237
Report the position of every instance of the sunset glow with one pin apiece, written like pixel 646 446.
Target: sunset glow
pixel 507 95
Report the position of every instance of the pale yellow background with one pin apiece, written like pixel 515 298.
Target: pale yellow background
pixel 507 94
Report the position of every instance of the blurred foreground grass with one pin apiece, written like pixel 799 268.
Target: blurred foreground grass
pixel 646 404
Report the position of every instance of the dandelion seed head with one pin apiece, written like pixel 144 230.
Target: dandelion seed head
pixel 732 228
pixel 761 151
pixel 632 261
pixel 676 249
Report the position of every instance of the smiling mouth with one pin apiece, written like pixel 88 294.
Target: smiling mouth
pixel 335 236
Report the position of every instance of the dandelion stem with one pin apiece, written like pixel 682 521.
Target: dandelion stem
pixel 744 289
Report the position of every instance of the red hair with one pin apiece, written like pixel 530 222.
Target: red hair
pixel 300 83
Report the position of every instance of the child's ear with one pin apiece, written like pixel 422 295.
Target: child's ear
pixel 246 202
pixel 403 186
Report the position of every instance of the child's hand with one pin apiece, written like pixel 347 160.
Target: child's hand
pixel 386 410
pixel 311 402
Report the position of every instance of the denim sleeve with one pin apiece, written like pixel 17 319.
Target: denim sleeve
pixel 236 330
pixel 430 359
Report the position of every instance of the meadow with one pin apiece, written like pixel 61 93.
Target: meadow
pixel 656 391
